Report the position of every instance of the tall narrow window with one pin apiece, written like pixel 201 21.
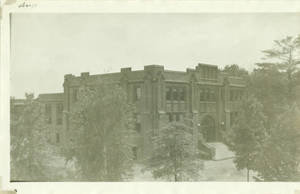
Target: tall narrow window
pixel 207 95
pixel 242 94
pixel 175 94
pixel 48 114
pixel 212 96
pixel 205 72
pixel 75 94
pixel 57 138
pixel 202 95
pixel 170 117
pixel 182 94
pixel 177 117
pixel 168 94
pixel 134 152
pixel 233 117
pixel 59 113
pixel 138 125
pixel 137 93
pixel 231 95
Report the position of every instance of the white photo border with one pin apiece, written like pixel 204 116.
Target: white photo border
pixel 68 6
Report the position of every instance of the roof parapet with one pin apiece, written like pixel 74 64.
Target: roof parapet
pixel 153 67
pixel 125 69
pixel 68 77
pixel 85 74
pixel 207 65
pixel 190 70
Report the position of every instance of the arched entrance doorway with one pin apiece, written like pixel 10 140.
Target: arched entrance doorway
pixel 208 129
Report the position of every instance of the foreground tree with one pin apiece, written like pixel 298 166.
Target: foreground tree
pixel 279 159
pixel 30 148
pixel 247 134
pixel 101 124
pixel 285 56
pixel 174 156
pixel 235 70
pixel 268 85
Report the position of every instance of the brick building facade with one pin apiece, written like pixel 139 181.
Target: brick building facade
pixel 205 94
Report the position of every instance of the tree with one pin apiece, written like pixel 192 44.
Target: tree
pixel 247 134
pixel 30 150
pixel 235 70
pixel 268 85
pixel 286 57
pixel 101 123
pixel 279 159
pixel 174 155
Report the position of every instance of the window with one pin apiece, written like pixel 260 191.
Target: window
pixel 236 95
pixel 233 117
pixel 138 124
pixel 137 93
pixel 241 95
pixel 48 114
pixel 57 138
pixel 179 117
pixel 212 96
pixel 205 72
pixel 208 73
pixel 176 116
pixel 170 117
pixel 207 95
pixel 175 94
pixel 75 94
pixel 134 152
pixel 59 113
pixel 202 95
pixel 182 94
pixel 231 95
pixel 168 94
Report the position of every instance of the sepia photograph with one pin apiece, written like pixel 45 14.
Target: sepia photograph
pixel 164 97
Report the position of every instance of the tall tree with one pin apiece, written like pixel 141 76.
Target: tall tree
pixel 247 134
pixel 268 85
pixel 101 123
pixel 30 150
pixel 279 158
pixel 285 55
pixel 235 70
pixel 174 156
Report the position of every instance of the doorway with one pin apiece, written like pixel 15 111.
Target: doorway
pixel 208 129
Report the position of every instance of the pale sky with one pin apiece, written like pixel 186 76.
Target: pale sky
pixel 45 47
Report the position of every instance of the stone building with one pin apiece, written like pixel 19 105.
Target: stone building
pixel 205 94
pixel 54 115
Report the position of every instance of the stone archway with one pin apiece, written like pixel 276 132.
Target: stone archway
pixel 208 128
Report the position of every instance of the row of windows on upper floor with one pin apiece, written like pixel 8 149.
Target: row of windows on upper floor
pixel 172 116
pixel 179 116
pixel 58 111
pixel 179 94
pixel 209 73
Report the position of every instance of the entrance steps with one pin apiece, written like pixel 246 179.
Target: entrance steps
pixel 221 151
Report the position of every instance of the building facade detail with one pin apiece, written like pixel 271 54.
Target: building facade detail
pixel 205 95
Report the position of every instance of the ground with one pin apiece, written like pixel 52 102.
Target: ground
pixel 221 168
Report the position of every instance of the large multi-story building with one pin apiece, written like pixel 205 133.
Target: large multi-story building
pixel 205 95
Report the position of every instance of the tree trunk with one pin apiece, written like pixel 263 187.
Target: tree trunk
pixel 248 174
pixel 290 85
pixel 105 156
